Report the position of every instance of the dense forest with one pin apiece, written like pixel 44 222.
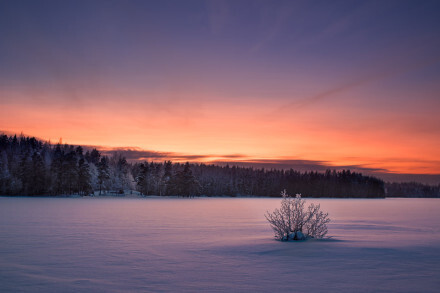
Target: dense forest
pixel 31 167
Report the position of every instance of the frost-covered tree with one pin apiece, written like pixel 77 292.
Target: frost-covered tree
pixel 94 176
pixel 32 167
pixel 292 222
pixel 122 171
pixel 316 224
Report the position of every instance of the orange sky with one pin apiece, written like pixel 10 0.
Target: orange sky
pixel 272 80
pixel 334 131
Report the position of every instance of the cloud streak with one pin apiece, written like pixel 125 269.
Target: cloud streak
pixel 135 154
pixel 283 15
pixel 138 154
pixel 381 70
pixel 298 164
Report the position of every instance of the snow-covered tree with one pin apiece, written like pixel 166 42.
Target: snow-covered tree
pixel 292 222
pixel 32 167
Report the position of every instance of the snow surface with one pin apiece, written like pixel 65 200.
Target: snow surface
pixel 214 245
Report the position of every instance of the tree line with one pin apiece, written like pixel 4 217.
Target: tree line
pixel 29 166
pixel 411 189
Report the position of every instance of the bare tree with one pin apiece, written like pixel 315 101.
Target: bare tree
pixel 292 222
pixel 316 224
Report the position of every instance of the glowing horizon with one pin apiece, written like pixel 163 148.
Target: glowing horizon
pixel 269 82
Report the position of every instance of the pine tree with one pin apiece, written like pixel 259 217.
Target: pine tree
pixel 4 173
pixel 168 173
pixel 25 174
pixel 143 179
pixel 84 178
pixel 70 172
pixel 184 182
pixel 122 169
pixel 103 173
pixel 38 175
pixel 95 157
pixel 57 171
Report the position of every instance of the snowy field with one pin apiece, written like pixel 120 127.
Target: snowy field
pixel 214 245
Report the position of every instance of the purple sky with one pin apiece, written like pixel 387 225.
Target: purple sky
pixel 347 83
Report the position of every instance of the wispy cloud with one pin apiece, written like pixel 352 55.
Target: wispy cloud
pixel 373 167
pixel 282 16
pixel 138 154
pixel 379 71
pixel 298 164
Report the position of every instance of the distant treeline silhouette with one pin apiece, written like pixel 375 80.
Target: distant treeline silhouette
pixel 411 189
pixel 29 166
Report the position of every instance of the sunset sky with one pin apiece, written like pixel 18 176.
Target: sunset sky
pixel 283 83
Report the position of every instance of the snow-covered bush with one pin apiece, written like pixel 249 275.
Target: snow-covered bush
pixel 293 222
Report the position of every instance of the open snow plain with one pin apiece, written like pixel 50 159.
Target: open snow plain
pixel 214 245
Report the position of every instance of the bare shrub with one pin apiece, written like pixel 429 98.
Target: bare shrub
pixel 293 222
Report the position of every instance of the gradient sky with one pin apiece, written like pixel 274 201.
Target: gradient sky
pixel 338 83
